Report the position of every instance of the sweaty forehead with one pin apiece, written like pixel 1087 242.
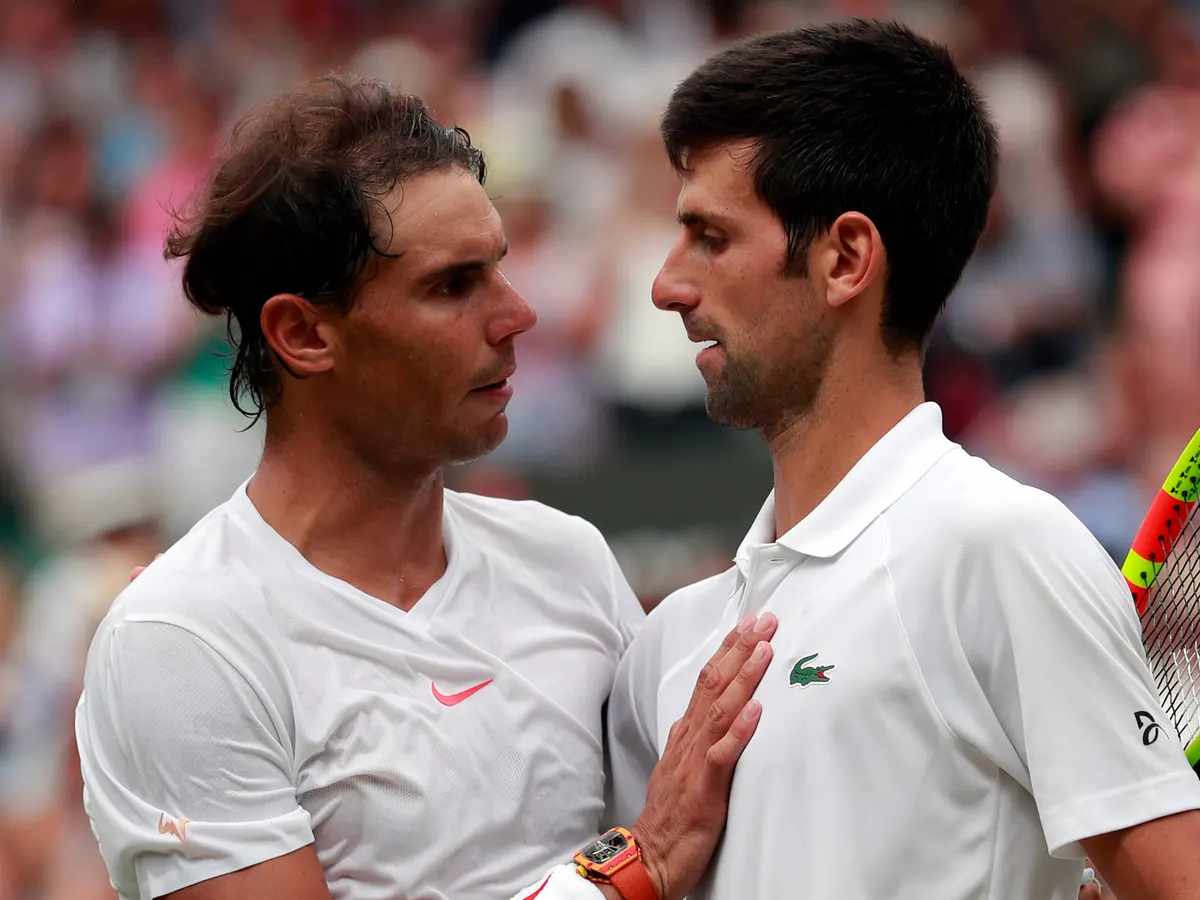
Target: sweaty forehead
pixel 443 214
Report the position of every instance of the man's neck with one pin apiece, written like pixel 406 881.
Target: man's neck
pixel 815 451
pixel 379 531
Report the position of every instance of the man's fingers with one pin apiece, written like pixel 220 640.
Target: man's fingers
pixel 726 683
pixel 724 754
pixel 728 666
pixel 763 629
pixel 741 686
pixel 708 685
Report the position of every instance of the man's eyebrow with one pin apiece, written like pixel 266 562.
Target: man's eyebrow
pixel 690 218
pixel 462 267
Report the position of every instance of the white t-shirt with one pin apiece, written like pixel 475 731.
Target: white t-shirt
pixel 239 704
pixel 952 702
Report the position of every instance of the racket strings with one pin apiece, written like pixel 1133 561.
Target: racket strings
pixel 1171 631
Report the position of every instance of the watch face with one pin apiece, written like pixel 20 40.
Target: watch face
pixel 606 847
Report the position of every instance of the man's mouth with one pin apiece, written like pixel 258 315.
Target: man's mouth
pixel 709 349
pixel 704 342
pixel 696 336
pixel 503 383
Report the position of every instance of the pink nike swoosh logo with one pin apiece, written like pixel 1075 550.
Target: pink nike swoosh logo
pixel 455 699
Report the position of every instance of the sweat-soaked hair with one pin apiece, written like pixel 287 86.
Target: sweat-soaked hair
pixel 856 115
pixel 295 205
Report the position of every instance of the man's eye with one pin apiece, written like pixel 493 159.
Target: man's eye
pixel 712 242
pixel 457 285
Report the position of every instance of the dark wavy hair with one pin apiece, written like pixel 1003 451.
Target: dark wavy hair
pixel 856 115
pixel 294 205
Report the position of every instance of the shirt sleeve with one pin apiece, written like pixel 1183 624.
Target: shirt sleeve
pixel 630 615
pixel 632 718
pixel 186 774
pixel 621 605
pixel 1055 645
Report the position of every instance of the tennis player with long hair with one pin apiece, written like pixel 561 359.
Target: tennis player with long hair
pixel 348 681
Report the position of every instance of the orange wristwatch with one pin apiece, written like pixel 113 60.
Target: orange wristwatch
pixel 615 858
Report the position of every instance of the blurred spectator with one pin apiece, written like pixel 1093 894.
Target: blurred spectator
pixel 1147 165
pixel 8 693
pixel 8 619
pixel 91 321
pixel 1028 302
pixel 1159 350
pixel 107 520
pixel 1147 152
pixel 1028 299
pixel 553 113
pixel 646 364
pixel 555 418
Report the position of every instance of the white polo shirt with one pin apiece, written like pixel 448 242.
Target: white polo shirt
pixel 240 704
pixel 952 701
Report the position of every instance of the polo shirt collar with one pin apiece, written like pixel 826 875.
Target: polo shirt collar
pixel 881 477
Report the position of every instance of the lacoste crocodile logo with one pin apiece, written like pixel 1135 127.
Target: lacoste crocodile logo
pixel 805 675
pixel 177 827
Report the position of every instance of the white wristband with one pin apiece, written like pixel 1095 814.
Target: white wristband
pixel 560 883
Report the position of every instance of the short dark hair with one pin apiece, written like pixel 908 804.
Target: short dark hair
pixel 294 205
pixel 857 115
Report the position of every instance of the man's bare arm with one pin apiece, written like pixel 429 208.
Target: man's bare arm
pixel 1157 860
pixel 296 875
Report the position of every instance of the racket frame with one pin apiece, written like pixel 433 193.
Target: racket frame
pixel 1160 529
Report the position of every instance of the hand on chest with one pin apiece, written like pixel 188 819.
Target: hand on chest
pixel 842 675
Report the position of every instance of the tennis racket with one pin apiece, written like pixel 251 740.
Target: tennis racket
pixel 1163 571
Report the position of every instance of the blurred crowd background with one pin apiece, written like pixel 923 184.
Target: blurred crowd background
pixel 1069 355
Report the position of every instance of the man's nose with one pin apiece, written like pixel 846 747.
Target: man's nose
pixel 515 317
pixel 672 290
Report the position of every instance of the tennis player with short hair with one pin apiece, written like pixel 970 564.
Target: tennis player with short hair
pixel 348 681
pixel 959 705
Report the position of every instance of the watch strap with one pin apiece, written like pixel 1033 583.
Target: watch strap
pixel 634 882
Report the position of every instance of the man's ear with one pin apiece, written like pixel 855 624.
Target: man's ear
pixel 849 258
pixel 296 332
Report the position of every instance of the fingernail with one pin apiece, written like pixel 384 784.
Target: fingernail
pixel 750 713
pixel 746 624
pixel 760 652
pixel 765 623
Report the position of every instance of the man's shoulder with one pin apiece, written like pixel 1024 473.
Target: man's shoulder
pixel 964 501
pixel 209 570
pixel 524 524
pixel 979 531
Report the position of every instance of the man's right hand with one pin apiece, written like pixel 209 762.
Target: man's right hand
pixel 688 795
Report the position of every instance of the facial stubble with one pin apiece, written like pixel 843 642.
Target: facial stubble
pixel 768 383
